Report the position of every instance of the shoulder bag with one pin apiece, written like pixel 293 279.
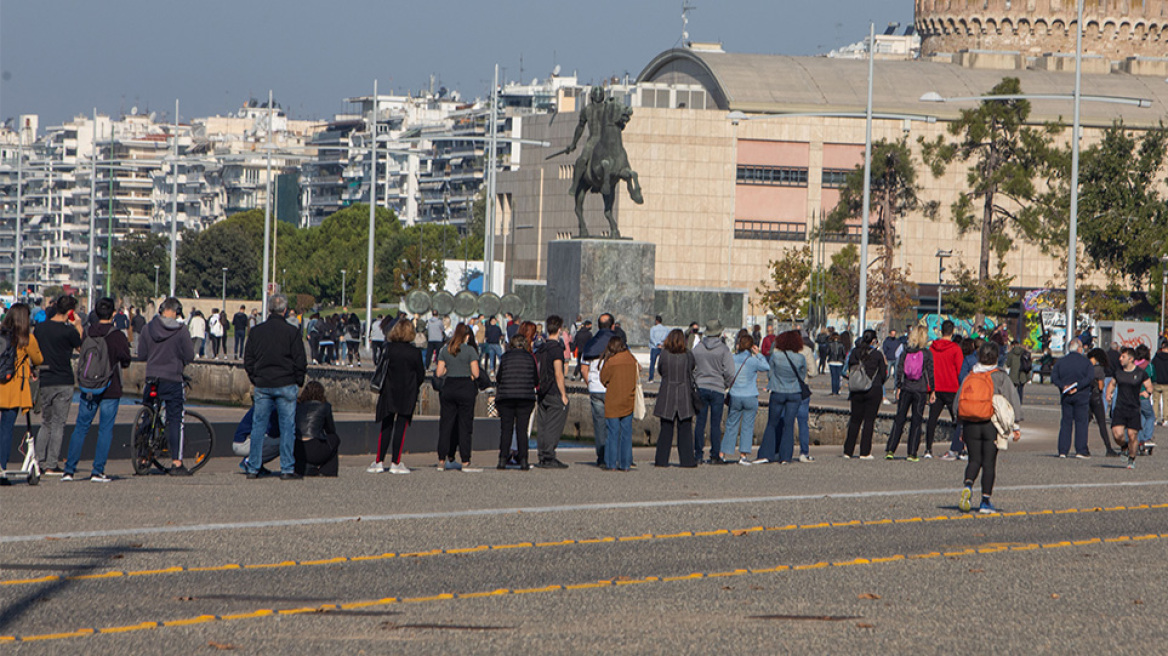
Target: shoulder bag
pixel 804 388
pixel 735 378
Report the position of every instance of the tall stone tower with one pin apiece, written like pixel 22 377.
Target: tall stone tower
pixel 1115 29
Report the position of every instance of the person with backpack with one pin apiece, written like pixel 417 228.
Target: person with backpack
pixel 58 338
pixel 913 389
pixel 552 407
pixel 19 353
pixel 105 351
pixel 866 373
pixel 980 416
pixel 353 339
pixel 1019 363
pixel 216 329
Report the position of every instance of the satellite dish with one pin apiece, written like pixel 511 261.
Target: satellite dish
pixel 489 304
pixel 465 303
pixel 442 303
pixel 418 302
pixel 512 304
pixel 134 110
pixel 556 71
pixel 153 115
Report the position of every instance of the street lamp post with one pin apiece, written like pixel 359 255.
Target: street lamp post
pixel 343 272
pixel 1163 284
pixel 864 223
pixel 156 268
pixel 941 255
pixel 173 208
pixel 372 216
pixel 224 289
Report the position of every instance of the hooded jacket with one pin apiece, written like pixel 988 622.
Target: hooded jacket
pixel 166 347
pixel 119 355
pixel 715 364
pixel 1160 368
pixel 947 359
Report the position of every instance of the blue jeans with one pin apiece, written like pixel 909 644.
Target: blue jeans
pixel 7 426
pixel 284 400
pixel 86 409
pixel 598 425
pixel 491 355
pixel 781 416
pixel 619 451
pixel 654 353
pixel 837 371
pixel 804 417
pixel 1147 419
pixel 712 403
pixel 740 425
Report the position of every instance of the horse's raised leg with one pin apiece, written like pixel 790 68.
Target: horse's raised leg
pixel 634 185
pixel 609 200
pixel 581 194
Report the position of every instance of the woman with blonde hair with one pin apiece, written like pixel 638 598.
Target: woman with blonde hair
pixel 16 393
pixel 914 388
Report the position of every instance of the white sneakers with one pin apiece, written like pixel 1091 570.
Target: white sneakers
pixel 375 468
pixel 803 458
pixel 398 468
pixel 744 461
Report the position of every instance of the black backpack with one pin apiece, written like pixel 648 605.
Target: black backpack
pixel 94 368
pixel 1025 363
pixel 7 357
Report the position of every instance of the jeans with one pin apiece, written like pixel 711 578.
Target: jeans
pixel 271 450
pixel 284 401
pixel 712 403
pixel 491 355
pixel 55 401
pixel 803 417
pixel 740 425
pixel 240 341
pixel 432 349
pixel 1147 419
pixel 778 440
pixel 86 410
pixel 836 371
pixel 619 451
pixel 654 353
pixel 598 424
pixel 7 426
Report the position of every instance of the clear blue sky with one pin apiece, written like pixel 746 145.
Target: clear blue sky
pixel 59 58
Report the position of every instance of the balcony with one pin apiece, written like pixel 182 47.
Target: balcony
pixel 770 230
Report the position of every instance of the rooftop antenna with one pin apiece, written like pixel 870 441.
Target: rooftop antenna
pixel 686 7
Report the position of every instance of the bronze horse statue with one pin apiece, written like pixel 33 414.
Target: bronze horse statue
pixel 603 163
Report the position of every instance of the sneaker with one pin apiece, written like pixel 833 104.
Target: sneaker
pixel 744 461
pixel 291 476
pixel 948 457
pixel 398 468
pixel 467 469
pixel 928 455
pixel 913 459
pixel 806 458
pixel 847 457
pixel 868 457
pixel 963 503
pixel 1082 456
pixel 1149 444
pixel 375 468
pixel 55 471
pixel 1131 463
pixel 451 465
pixel 961 456
pixel 763 461
pixel 64 477
pixel 888 455
pixel 1063 456
pixel 99 478
pixel 987 508
pixel 181 470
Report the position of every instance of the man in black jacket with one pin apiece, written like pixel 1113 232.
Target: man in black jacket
pixel 276 364
pixel 239 323
pixel 1074 375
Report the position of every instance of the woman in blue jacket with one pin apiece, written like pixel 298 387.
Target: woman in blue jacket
pixel 748 363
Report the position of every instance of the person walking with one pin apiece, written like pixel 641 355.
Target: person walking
pixel 913 389
pixel 579 341
pixel 197 325
pixel 748 364
pixel 619 373
pixel 276 365
pixel 714 374
pixel 1130 385
pixel 552 411
pixel 317 443
pixel 1098 358
pixel 1073 375
pixel 788 368
pixel 1019 364
pixel 657 335
pixel 137 324
pixel 947 358
pixel 16 394
pixel 836 357
pixel 398 396
pixel 239 323
pixel 866 363
pixel 167 348
pixel 458 369
pixel 100 336
pixel 675 407
pixel 58 338
pixel 216 329
pixel 976 408
pixel 515 395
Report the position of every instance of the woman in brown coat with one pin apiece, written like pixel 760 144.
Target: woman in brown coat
pixel 619 372
pixel 16 394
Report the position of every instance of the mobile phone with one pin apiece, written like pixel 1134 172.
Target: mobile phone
pixel 72 316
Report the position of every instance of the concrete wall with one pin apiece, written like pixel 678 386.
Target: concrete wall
pixel 678 306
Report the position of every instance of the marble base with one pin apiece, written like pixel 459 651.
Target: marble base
pixel 588 277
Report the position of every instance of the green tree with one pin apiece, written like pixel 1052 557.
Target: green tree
pixel 1005 158
pixel 203 256
pixel 976 298
pixel 137 254
pixel 843 283
pixel 894 193
pixel 1108 304
pixel 785 293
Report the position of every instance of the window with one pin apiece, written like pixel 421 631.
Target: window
pixel 780 176
pixel 835 178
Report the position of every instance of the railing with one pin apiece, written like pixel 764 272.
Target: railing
pixel 851 235
pixel 770 230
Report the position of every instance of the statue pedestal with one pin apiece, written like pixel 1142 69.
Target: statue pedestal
pixel 589 277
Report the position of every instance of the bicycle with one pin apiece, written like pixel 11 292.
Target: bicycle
pixel 148 440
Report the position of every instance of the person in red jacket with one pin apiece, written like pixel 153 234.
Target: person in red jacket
pixel 946 364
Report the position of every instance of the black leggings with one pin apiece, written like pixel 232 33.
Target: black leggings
pixel 456 418
pixel 685 442
pixel 514 418
pixel 394 427
pixel 317 457
pixel 909 401
pixel 865 407
pixel 980 439
pixel 1099 412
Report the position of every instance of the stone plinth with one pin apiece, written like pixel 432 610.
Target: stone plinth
pixel 592 276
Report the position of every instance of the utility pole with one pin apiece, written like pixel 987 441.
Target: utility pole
pixel 372 218
pixel 267 216
pixel 489 233
pixel 173 207
pixel 92 211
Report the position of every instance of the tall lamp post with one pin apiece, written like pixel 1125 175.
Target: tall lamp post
pixel 941 255
pixel 343 272
pixel 156 268
pixel 1163 284
pixel 224 290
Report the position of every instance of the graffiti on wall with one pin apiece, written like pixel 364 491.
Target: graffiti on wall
pixel 963 326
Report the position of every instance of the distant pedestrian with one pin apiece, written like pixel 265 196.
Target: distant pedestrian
pixel 515 396
pixel 713 375
pixel 398 397
pixel 866 363
pixel 836 357
pixel 377 337
pixel 1073 376
pixel 217 330
pixel 353 339
pixel 58 338
pixel 913 389
pixel 947 359
pixel 493 344
pixel 657 335
pixel 787 368
pixel 458 369
pixel 239 322
pixel 197 326
pixel 1159 375
pixel 674 407
pixel 1018 363
pixel 1130 386
pixel 975 404
pixel 1098 358
pixel 552 409
pixel 579 341
pixel 435 336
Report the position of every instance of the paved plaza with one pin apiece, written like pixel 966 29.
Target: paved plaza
pixel 834 556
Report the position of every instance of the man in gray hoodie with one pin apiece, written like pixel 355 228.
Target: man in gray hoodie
pixel 166 346
pixel 714 374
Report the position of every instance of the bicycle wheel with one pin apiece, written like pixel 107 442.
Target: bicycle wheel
pixel 198 439
pixel 140 441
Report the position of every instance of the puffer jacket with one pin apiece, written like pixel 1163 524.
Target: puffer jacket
pixel 518 376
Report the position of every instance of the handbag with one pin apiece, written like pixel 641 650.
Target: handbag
pixel 639 402
pixel 695 396
pixel 804 388
pixel 858 379
pixel 380 373
pixel 734 379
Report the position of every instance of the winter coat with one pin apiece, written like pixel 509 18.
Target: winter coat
pixel 17 393
pixel 674 400
pixel 405 374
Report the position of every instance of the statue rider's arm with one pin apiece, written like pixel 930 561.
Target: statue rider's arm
pixel 579 132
